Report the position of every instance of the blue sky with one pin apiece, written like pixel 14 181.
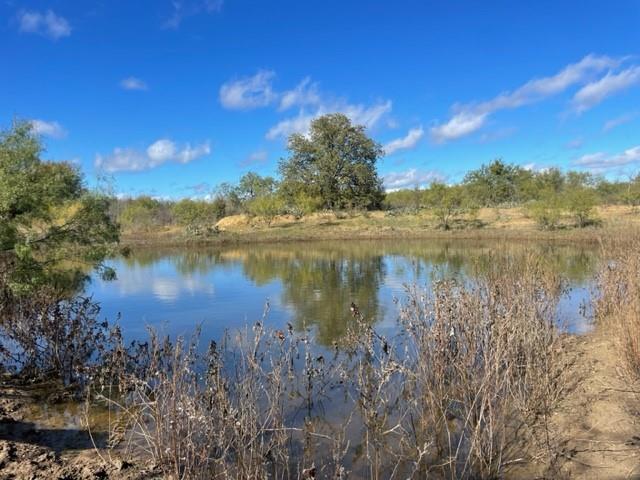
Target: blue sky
pixel 170 98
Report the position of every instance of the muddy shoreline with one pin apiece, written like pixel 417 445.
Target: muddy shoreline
pixel 593 432
pixel 35 450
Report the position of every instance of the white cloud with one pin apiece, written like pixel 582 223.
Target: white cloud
pixel 534 167
pixel 248 92
pixel 595 92
pixel 602 161
pixel 256 158
pixel 158 153
pixel 187 8
pixel 471 117
pixel 133 83
pixel 409 141
pixel 48 129
pixel 621 120
pixel 47 24
pixel 257 91
pixel 359 114
pixel 367 116
pixel 410 178
pixel 575 144
pixel 298 124
pixel 460 125
pixel 305 93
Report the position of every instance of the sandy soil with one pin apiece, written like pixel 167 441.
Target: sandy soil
pixel 595 431
pixel 600 418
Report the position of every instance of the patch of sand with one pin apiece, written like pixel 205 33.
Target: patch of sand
pixel 596 425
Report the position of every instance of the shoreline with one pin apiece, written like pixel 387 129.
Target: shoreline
pixel 491 224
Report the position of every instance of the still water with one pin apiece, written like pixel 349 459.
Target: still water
pixel 310 285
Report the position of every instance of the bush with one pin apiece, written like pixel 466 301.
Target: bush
pixel 48 335
pixel 463 391
pixel 266 207
pixel 142 214
pixel 580 203
pixel 617 307
pixel 448 203
pixel 546 212
pixel 196 216
pixel 304 204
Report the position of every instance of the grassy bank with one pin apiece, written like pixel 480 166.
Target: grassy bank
pixel 489 223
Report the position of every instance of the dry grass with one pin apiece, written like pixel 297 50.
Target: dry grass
pixel 617 307
pixel 463 391
pixel 504 223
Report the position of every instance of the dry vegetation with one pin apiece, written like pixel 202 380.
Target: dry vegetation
pixel 463 391
pixel 618 300
pixel 486 223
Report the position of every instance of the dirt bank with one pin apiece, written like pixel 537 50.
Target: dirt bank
pixel 595 431
pixel 508 223
pixel 33 451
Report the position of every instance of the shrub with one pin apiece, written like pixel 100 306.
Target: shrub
pixel 617 305
pixel 266 207
pixel 546 212
pixel 304 204
pixel 580 203
pixel 196 216
pixel 141 214
pixel 53 336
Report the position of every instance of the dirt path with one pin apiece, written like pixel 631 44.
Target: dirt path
pixel 597 423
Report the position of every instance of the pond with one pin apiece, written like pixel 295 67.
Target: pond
pixel 309 285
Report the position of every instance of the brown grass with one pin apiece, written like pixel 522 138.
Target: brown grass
pixel 502 224
pixel 617 307
pixel 463 391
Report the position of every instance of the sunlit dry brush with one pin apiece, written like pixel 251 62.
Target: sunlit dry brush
pixel 487 368
pixel 463 390
pixel 617 302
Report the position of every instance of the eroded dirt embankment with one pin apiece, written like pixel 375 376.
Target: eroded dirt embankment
pixel 33 450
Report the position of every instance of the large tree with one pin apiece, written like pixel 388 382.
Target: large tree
pixel 52 229
pixel 335 162
pixel 494 184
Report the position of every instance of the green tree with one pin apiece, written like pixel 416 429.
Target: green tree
pixel 493 184
pixel 141 214
pixel 631 192
pixel 580 202
pixel 303 204
pixel 335 162
pixel 219 207
pixel 547 211
pixel 195 215
pixel 252 185
pixel 229 194
pixel 448 203
pixel 51 227
pixel 266 207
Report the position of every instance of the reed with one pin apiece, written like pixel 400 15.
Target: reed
pixel 464 390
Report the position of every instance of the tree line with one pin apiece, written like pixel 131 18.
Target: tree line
pixel 334 168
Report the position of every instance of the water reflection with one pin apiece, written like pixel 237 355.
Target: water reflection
pixel 310 284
